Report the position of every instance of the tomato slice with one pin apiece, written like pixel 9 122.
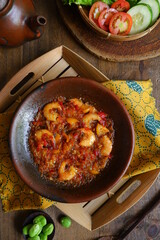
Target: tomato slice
pixel 105 17
pixel 121 6
pixel 120 23
pixel 95 11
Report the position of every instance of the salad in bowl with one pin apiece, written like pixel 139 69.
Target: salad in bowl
pixel 121 19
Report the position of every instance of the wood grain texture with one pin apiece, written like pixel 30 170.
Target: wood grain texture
pixel 13 59
pixel 140 49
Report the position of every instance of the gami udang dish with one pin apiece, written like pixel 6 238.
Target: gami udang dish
pixel 101 98
pixel 71 141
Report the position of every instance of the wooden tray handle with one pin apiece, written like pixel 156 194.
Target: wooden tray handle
pixel 26 77
pixel 117 204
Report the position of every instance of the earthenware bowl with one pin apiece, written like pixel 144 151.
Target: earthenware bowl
pixel 103 99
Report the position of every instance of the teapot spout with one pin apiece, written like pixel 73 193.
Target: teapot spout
pixel 36 24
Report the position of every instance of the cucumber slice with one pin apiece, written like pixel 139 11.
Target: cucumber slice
pixel 159 5
pixel 141 16
pixel 154 4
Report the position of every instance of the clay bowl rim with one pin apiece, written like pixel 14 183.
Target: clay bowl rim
pixel 108 35
pixel 31 216
pixel 95 194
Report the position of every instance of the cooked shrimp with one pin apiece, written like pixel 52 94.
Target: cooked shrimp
pixel 49 112
pixel 101 130
pixel 48 137
pixel 98 166
pixel 88 138
pixel 72 122
pixel 66 172
pixel 88 108
pixel 103 162
pixel 90 117
pixel 41 132
pixel 106 146
pixel 95 169
pixel 76 102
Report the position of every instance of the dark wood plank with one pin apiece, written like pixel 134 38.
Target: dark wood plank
pixel 12 60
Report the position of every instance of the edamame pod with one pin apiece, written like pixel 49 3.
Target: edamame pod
pixel 26 228
pixel 40 219
pixel 65 221
pixel 34 230
pixel 40 229
pixel 43 236
pixel 48 229
pixel 34 238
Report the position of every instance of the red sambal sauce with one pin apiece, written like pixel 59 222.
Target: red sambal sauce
pixel 71 141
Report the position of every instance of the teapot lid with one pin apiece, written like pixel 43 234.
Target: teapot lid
pixel 3 4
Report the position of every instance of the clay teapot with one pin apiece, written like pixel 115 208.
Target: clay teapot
pixel 19 22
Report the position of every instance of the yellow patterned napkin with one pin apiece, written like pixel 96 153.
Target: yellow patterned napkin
pixel 136 96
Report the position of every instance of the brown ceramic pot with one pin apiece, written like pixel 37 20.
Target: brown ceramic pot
pixel 19 23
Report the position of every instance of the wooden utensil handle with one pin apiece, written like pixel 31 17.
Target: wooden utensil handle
pixel 154 203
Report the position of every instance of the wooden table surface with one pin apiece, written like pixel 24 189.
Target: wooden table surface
pixel 12 60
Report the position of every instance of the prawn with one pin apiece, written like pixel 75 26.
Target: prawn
pixel 88 138
pixel 90 117
pixel 72 122
pixel 88 108
pixel 39 134
pixel 106 146
pixel 49 112
pixel 76 102
pixel 66 172
pixel 101 130
pixel 98 166
pixel 95 169
pixel 84 107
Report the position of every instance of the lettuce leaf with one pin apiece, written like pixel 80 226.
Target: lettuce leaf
pixel 86 2
pixel 132 2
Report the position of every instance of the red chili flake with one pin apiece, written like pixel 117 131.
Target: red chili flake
pixel 60 119
pixel 76 107
pixel 87 129
pixel 75 135
pixel 110 156
pixel 102 114
pixel 92 156
pixel 39 147
pixel 96 152
pixel 40 123
pixel 61 103
pixel 103 122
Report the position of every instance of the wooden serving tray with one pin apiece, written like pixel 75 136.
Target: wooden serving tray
pixel 62 62
pixel 136 50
